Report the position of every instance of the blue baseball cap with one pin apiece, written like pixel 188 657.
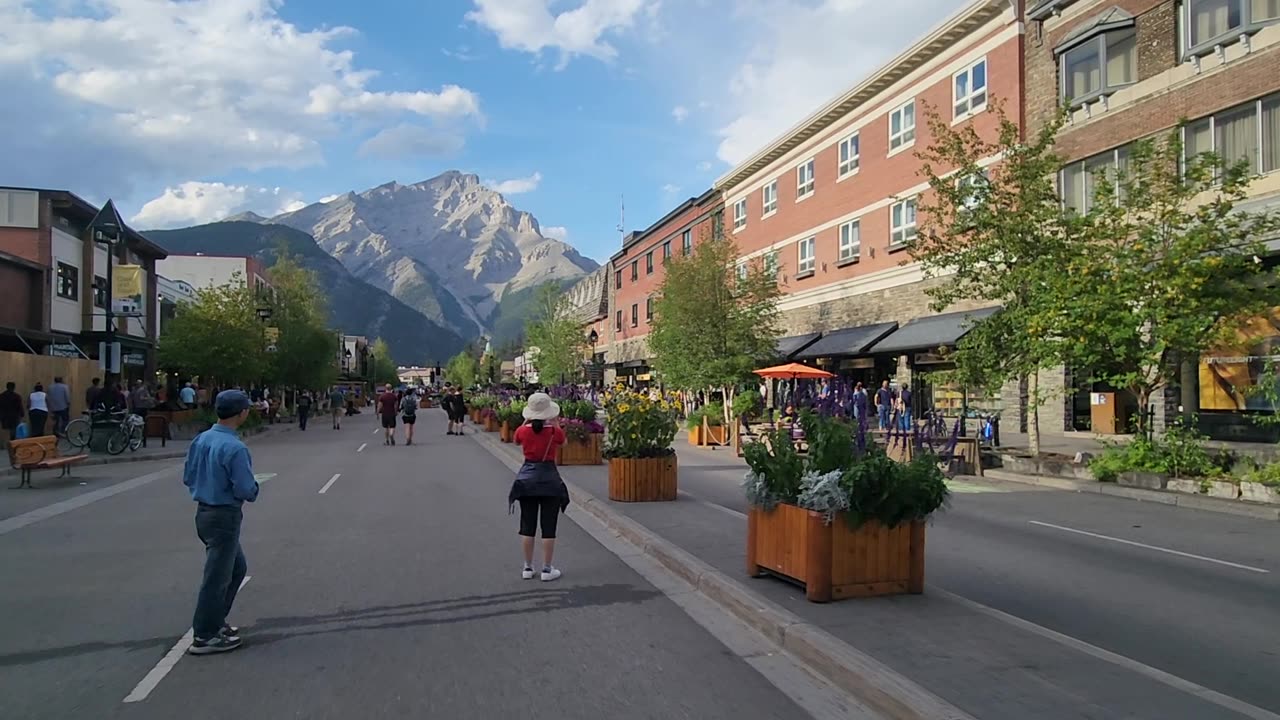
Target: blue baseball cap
pixel 230 403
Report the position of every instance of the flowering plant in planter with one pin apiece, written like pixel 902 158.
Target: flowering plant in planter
pixel 640 427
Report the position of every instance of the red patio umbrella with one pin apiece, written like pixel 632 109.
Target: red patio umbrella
pixel 793 371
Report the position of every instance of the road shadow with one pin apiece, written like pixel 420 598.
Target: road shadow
pixel 470 608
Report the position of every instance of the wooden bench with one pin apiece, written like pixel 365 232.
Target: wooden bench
pixel 40 453
pixel 155 426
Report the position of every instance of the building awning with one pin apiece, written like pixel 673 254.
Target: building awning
pixel 934 331
pixel 789 346
pixel 847 341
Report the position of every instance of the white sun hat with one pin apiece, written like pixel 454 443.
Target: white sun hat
pixel 541 407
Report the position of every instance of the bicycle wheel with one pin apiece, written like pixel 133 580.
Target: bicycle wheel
pixel 118 441
pixel 135 437
pixel 79 432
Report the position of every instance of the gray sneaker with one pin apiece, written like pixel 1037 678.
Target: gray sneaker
pixel 217 644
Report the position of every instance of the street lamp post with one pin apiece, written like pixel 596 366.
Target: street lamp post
pixel 108 229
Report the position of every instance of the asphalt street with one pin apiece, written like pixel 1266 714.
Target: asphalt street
pixel 394 593
pixel 1166 590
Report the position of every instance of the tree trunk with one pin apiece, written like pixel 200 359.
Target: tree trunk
pixel 728 405
pixel 1033 412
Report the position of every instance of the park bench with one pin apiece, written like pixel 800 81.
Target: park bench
pixel 40 453
pixel 155 426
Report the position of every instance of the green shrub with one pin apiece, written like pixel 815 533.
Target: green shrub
pixel 747 404
pixel 1268 474
pixel 1181 453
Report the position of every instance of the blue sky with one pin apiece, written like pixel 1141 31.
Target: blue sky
pixel 186 111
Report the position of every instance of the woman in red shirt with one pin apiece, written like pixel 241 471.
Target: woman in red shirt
pixel 538 487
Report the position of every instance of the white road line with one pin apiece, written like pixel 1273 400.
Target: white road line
pixel 16 522
pixel 167 663
pixel 332 480
pixel 362 447
pixel 1160 676
pixel 1149 547
pixel 375 432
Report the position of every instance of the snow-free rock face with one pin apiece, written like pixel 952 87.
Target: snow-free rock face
pixel 448 247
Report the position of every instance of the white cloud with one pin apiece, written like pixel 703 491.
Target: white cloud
pixel 802 55
pixel 411 140
pixel 531 25
pixel 679 112
pixel 195 203
pixel 329 198
pixel 704 166
pixel 144 91
pixel 670 189
pixel 556 232
pixel 515 186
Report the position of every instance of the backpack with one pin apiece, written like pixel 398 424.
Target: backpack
pixel 409 405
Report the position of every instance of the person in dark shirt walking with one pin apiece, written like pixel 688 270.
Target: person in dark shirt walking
pixel 219 474
pixel 91 394
pixel 59 405
pixel 11 410
pixel 304 409
pixel 387 405
pixel 884 404
pixel 409 414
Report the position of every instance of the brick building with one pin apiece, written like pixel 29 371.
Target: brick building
pixel 53 285
pixel 588 300
pixel 832 202
pixel 637 272
pixel 1130 69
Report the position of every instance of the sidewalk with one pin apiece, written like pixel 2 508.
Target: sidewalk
pixel 935 655
pixel 1071 443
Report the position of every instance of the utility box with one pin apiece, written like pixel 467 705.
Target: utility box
pixel 1106 415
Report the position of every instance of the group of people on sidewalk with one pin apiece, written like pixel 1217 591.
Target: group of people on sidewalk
pixel 53 403
pixel 219 476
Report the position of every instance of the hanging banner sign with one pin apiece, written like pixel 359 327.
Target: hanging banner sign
pixel 126 281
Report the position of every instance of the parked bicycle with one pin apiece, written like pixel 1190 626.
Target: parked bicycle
pixel 126 433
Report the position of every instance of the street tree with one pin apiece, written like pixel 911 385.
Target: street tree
pixel 305 353
pixel 997 234
pixel 217 336
pixel 556 334
pixel 462 369
pixel 713 324
pixel 382 367
pixel 1171 266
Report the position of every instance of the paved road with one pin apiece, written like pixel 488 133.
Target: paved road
pixel 396 593
pixel 1191 593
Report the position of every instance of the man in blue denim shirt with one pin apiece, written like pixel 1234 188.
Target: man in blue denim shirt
pixel 219 473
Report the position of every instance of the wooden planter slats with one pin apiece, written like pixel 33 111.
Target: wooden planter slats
pixel 506 432
pixel 490 423
pixel 835 561
pixel 642 479
pixel 707 435
pixel 585 452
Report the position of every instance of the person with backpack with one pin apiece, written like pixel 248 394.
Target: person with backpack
pixel 304 409
pixel 538 487
pixel 409 414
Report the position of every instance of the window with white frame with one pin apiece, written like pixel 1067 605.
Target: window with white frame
pixel 969 88
pixel 739 214
pixel 1099 65
pixel 68 281
pixel 1079 181
pixel 850 240
pixel 972 186
pixel 804 179
pixel 771 262
pixel 769 197
pixel 902 126
pixel 902 222
pixel 1209 23
pixel 686 242
pixel 849 155
pixel 742 270
pixel 1249 132
pixel 806 255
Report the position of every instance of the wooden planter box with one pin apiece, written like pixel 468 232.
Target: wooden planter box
pixel 506 433
pixel 642 479
pixel 707 435
pixel 834 561
pixel 581 453
pixel 475 415
pixel 491 423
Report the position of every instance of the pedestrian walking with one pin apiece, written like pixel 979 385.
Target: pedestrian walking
pixel 884 402
pixel 456 407
pixel 538 487
pixel 219 474
pixel 187 395
pixel 92 394
pixel 387 405
pixel 38 409
pixel 11 412
pixel 337 406
pixel 60 405
pixel 409 414
pixel 140 400
pixel 304 409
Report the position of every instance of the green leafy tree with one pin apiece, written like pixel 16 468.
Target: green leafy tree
pixel 997 235
pixel 1169 268
pixel 306 351
pixel 462 369
pixel 382 367
pixel 713 326
pixel 217 336
pixel 556 334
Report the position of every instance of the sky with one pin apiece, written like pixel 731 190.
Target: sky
pixel 187 111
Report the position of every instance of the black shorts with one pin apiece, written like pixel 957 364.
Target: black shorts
pixel 388 420
pixel 535 509
pixel 409 419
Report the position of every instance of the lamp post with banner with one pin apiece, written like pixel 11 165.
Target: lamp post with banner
pixel 108 229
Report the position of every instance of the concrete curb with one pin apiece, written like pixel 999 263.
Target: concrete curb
pixel 868 680
pixel 1240 508
pixel 94 460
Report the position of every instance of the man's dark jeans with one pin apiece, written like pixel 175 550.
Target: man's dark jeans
pixel 218 527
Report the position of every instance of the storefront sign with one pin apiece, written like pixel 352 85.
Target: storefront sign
pixel 857 364
pixel 66 350
pixel 135 359
pixel 930 359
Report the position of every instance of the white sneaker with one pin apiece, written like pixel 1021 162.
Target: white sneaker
pixel 527 573
pixel 549 574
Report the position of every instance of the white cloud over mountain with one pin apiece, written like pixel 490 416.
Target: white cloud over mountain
pixel 515 186
pixel 533 26
pixel 194 203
